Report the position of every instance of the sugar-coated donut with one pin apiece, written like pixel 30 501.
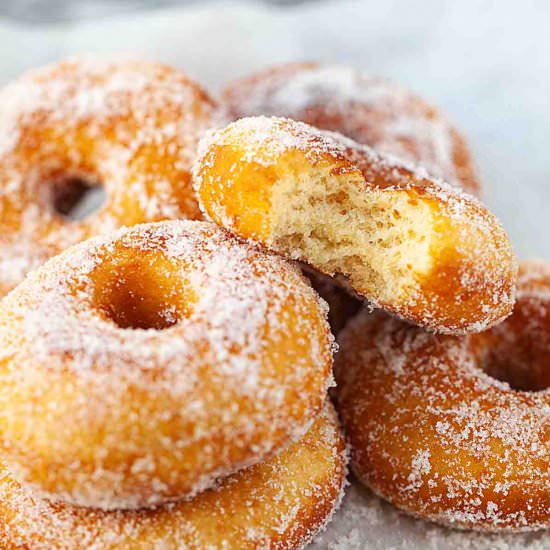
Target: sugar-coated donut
pixel 371 110
pixel 128 125
pixel 279 504
pixel 454 429
pixel 138 367
pixel 408 243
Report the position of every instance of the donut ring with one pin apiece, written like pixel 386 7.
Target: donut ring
pixel 406 242
pixel 137 368
pixel 368 109
pixel 279 504
pixel 438 437
pixel 129 125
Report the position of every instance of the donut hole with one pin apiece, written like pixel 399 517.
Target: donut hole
pixel 143 292
pixel 521 368
pixel 77 198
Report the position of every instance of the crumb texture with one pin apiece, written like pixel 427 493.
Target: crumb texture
pixel 379 240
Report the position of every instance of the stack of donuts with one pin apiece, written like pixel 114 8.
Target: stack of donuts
pixel 166 360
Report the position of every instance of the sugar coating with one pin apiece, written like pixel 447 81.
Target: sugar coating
pixel 364 521
pixel 469 253
pixel 279 504
pixel 125 417
pixel 366 108
pixel 437 436
pixel 119 121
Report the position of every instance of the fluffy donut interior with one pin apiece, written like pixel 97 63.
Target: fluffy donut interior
pixel 380 239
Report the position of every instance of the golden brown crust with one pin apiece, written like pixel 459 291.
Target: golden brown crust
pixel 279 504
pixel 370 110
pixel 470 282
pixel 434 433
pixel 138 367
pixel 122 122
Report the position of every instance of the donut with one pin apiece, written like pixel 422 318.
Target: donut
pixel 136 368
pixel 406 242
pixel 121 124
pixel 369 109
pixel 454 429
pixel 278 504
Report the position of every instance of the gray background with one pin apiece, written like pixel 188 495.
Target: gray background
pixel 42 11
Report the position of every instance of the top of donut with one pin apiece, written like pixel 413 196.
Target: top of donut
pixel 231 290
pixel 94 88
pixel 367 108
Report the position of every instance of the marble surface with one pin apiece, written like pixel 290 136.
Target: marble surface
pixel 486 63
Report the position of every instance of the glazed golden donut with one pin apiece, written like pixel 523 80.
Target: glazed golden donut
pixel 368 109
pixel 406 242
pixel 128 125
pixel 279 504
pixel 435 433
pixel 139 367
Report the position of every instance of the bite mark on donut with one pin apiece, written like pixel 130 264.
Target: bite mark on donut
pixel 378 240
pixel 405 241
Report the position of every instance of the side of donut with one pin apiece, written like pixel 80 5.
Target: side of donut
pixel 435 435
pixel 278 505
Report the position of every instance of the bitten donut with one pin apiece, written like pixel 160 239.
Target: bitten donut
pixel 454 429
pixel 368 109
pixel 137 368
pixel 126 125
pixel 406 242
pixel 279 504
pixel 371 110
